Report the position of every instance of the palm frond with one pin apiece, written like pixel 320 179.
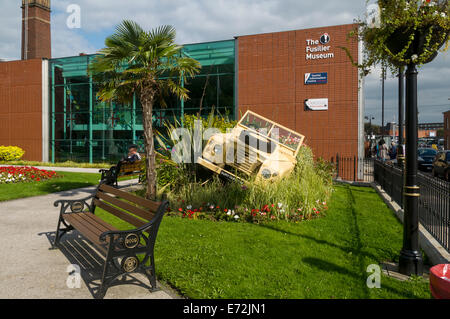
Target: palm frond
pixel 132 56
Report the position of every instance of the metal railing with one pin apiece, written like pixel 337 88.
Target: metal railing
pixel 353 168
pixel 434 200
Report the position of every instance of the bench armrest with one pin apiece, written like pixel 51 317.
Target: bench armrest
pixel 75 205
pixel 105 170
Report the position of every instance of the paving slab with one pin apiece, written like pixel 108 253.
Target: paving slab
pixel 30 270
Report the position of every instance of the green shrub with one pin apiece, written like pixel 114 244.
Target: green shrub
pixel 171 175
pixel 212 121
pixel 11 153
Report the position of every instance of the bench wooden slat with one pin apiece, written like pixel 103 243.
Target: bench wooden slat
pixel 153 206
pixel 98 223
pixel 120 214
pixel 131 167
pixel 77 221
pixel 129 208
pixel 91 223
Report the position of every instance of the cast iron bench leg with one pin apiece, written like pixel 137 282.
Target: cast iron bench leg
pixel 151 275
pixel 103 284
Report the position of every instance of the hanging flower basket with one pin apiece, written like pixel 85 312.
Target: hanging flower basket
pixel 422 44
pixel 406 31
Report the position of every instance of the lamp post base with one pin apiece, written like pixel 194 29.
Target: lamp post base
pixel 411 263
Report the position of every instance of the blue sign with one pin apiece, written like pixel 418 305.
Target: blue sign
pixel 316 78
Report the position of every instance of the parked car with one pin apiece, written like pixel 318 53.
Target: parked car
pixel 441 165
pixel 425 158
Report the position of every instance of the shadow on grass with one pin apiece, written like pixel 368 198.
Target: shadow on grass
pixel 79 252
pixel 360 277
pixel 319 241
pixel 357 234
pixel 355 245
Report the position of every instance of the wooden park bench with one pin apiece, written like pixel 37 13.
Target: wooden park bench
pixel 110 176
pixel 121 248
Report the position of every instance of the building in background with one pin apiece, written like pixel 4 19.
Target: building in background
pixel 23 85
pixel 36 34
pixel 425 130
pixel 300 79
pixel 83 128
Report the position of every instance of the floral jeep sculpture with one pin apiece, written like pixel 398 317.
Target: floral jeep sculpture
pixel 256 146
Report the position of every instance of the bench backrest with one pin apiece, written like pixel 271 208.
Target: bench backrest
pixel 135 210
pixel 136 166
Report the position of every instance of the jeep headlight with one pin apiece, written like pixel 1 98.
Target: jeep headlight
pixel 217 149
pixel 266 173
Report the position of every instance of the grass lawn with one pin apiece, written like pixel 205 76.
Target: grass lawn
pixel 68 181
pixel 323 258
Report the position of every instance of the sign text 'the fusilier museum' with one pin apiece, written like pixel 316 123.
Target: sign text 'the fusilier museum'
pixel 318 49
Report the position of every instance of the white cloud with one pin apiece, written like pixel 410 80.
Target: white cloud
pixel 208 20
pixel 10 30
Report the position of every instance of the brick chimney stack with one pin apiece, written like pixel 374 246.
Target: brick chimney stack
pixel 36 34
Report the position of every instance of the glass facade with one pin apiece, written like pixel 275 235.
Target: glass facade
pixel 84 129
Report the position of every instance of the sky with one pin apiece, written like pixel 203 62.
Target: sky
pixel 210 20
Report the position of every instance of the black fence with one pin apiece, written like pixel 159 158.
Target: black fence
pixel 434 200
pixel 353 168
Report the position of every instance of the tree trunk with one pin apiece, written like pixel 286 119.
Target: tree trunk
pixel 147 113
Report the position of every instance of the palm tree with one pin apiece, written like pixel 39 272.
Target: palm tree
pixel 147 64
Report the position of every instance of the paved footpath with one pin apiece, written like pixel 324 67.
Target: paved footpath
pixel 28 269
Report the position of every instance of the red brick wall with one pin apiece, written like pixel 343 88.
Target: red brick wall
pixel 39 35
pixel 21 106
pixel 271 71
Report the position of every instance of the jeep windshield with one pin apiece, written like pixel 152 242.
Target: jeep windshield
pixel 266 145
pixel 272 130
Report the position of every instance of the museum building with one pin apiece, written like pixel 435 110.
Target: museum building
pixel 302 79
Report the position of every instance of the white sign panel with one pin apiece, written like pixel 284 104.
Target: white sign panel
pixel 317 104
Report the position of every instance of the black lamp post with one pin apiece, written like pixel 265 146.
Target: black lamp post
pixel 401 89
pixel 410 260
pixel 382 101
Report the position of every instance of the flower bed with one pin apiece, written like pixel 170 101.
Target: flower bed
pixel 13 174
pixel 269 212
pixel 301 196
